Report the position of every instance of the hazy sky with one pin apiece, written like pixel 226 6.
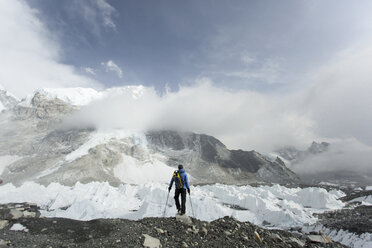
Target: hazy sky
pixel 266 73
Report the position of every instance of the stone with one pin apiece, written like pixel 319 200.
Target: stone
pixel 203 231
pixel 3 223
pixel 227 233
pixel 28 214
pixel 44 229
pixel 184 219
pixel 3 243
pixel 257 236
pixel 318 239
pixel 151 242
pixel 159 230
pixel 16 214
pixel 184 244
pixel 276 236
pixel 297 241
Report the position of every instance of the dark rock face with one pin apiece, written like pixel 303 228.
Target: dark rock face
pixel 168 232
pixel 204 156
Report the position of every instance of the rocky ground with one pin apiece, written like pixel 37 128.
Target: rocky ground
pixel 22 226
pixel 356 220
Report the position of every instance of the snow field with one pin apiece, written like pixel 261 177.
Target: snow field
pixel 280 206
pixel 7 160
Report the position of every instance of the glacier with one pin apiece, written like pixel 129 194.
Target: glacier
pixel 278 205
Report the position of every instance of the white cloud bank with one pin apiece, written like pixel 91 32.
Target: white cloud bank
pixel 29 53
pixel 242 119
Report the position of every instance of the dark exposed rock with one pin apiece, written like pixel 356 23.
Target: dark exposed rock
pixel 209 160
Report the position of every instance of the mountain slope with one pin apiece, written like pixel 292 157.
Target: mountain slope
pixel 208 160
pixel 45 152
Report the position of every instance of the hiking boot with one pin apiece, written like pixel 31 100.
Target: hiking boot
pixel 179 211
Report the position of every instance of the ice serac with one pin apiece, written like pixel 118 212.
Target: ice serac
pixel 208 160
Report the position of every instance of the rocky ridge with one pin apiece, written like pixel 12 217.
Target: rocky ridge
pixel 209 160
pixel 22 226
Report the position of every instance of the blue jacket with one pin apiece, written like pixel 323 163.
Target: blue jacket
pixel 184 179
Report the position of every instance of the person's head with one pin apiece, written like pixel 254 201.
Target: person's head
pixel 180 166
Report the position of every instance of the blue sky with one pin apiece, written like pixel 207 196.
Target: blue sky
pixel 260 45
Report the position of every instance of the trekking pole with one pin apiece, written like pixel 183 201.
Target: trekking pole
pixel 192 209
pixel 166 204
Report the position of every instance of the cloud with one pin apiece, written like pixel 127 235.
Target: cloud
pixel 89 70
pixel 340 101
pixel 241 119
pixel 30 55
pixel 335 109
pixel 344 155
pixel 111 66
pixel 97 13
pixel 268 70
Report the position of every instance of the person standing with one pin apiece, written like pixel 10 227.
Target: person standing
pixel 181 182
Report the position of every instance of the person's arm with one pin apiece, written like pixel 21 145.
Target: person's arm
pixel 171 184
pixel 187 183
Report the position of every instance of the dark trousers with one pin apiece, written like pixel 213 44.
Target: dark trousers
pixel 177 194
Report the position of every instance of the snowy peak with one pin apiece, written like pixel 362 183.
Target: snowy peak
pixel 318 147
pixel 293 154
pixel 7 101
pixel 84 96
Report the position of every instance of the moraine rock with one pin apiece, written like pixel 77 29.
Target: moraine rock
pixel 59 232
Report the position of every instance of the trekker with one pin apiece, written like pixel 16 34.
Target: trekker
pixel 181 182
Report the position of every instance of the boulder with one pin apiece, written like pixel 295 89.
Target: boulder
pixel 3 223
pixel 184 219
pixel 319 239
pixel 151 242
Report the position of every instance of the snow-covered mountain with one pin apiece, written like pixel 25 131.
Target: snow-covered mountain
pixel 324 162
pixel 294 155
pixel 38 149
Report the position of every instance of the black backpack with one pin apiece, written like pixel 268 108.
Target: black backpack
pixel 177 180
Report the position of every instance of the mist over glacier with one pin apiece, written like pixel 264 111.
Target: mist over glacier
pixel 241 119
